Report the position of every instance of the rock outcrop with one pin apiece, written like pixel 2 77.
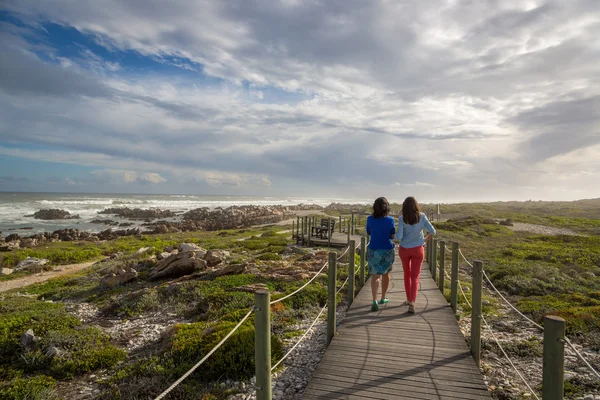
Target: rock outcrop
pixel 138 213
pixel 180 264
pixel 120 278
pixel 215 257
pixel 32 264
pixel 52 214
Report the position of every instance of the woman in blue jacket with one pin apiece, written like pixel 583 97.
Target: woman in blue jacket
pixel 380 252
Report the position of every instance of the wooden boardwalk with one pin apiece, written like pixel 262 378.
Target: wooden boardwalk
pixel 337 240
pixel 390 354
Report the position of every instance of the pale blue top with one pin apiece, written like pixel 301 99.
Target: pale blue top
pixel 412 235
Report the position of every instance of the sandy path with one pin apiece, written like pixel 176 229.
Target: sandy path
pixel 60 270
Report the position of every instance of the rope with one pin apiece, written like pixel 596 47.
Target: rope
pixel 465 258
pixel 301 339
pixel 581 357
pixel 178 381
pixel 287 296
pixel 508 358
pixel 313 323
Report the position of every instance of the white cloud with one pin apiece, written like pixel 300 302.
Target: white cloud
pixel 318 95
pixel 123 176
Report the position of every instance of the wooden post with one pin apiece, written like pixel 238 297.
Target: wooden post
pixel 309 230
pixel 352 225
pixel 330 232
pixel 434 259
pixel 331 283
pixel 262 344
pixel 293 231
pixel 340 223
pixel 553 369
pixel 476 311
pixel 363 257
pixel 297 227
pixel 442 265
pixel 454 278
pixel 349 222
pixel 351 276
pixel 427 247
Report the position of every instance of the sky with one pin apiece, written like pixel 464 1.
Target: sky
pixel 445 100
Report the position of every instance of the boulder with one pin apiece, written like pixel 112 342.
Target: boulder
pixel 120 278
pixel 28 338
pixel 137 213
pixel 32 264
pixel 13 237
pixel 507 222
pixel 162 256
pixel 6 271
pixel 28 242
pixel 215 257
pixel 53 351
pixel 9 246
pixel 176 265
pixel 143 250
pixel 191 247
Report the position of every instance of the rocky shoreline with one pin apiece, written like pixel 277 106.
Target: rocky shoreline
pixel 200 219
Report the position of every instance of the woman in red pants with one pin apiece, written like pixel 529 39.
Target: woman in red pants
pixel 410 233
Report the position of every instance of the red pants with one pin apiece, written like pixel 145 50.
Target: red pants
pixel 412 259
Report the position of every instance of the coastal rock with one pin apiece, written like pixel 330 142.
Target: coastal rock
pixel 6 271
pixel 137 213
pixel 28 242
pixel 191 247
pixel 507 222
pixel 32 264
pixel 53 351
pixel 104 221
pixel 13 237
pixel 120 278
pixel 8 246
pixel 162 256
pixel 28 338
pixel 215 257
pixel 176 265
pixel 52 214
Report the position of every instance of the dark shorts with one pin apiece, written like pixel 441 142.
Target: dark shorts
pixel 380 261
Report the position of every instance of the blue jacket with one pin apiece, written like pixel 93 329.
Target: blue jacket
pixel 412 235
pixel 382 231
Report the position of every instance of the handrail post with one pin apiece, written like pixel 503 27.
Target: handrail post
pixel 476 311
pixel 442 265
pixel 293 230
pixel 297 228
pixel 330 232
pixel 454 278
pixel 340 223
pixel 427 248
pixel 553 370
pixel 433 265
pixel 351 261
pixel 262 343
pixel 331 305
pixel 363 257
pixel 309 230
pixel 353 223
pixel 348 230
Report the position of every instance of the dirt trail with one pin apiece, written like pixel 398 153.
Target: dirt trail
pixel 60 270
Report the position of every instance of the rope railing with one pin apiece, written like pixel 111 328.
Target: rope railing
pixel 216 347
pixel 290 351
pixel 210 353
pixel 541 328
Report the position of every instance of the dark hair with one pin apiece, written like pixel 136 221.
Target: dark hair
pixel 381 207
pixel 411 213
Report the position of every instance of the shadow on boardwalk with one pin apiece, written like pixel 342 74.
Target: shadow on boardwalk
pixel 390 354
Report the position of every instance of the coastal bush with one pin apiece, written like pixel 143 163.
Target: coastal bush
pixel 269 257
pixel 235 359
pixel 38 387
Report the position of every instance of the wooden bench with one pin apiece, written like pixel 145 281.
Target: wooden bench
pixel 325 230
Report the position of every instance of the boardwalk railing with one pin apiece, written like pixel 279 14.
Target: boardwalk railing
pixel 553 329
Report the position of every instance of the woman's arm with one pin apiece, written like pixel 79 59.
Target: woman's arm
pixel 430 229
pixel 400 230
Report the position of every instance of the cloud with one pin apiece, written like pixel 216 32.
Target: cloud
pixel 122 176
pixel 321 96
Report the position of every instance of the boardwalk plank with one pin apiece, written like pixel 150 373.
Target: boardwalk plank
pixel 390 354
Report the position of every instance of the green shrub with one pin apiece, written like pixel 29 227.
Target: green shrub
pixel 35 388
pixel 235 358
pixel 269 257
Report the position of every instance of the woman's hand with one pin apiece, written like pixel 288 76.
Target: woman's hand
pixel 428 237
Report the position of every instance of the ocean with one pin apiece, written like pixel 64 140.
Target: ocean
pixel 15 206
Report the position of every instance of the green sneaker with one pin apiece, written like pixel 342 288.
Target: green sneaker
pixel 374 306
pixel 384 301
